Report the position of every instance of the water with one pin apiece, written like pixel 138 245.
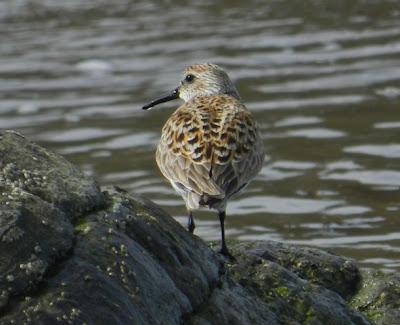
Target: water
pixel 323 80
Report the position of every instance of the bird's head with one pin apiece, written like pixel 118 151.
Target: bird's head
pixel 200 80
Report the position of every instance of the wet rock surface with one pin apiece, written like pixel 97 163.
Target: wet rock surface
pixel 73 253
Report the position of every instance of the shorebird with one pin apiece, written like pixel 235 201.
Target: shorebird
pixel 210 147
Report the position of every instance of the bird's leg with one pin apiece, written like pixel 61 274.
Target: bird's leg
pixel 224 249
pixel 190 223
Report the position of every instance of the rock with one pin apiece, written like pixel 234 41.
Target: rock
pixel 230 303
pixel 333 272
pixel 73 253
pixel 27 167
pixel 379 297
pixel 292 296
pixel 40 193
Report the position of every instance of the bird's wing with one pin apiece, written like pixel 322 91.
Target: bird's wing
pixel 239 153
pixel 184 153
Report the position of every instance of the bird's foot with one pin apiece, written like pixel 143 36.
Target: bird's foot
pixel 224 251
pixel 191 228
pixel 190 224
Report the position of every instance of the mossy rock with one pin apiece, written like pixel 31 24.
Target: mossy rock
pixel 379 297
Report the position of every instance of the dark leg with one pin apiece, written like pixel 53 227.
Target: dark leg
pixel 224 250
pixel 191 224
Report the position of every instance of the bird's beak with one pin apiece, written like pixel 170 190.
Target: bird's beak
pixel 171 96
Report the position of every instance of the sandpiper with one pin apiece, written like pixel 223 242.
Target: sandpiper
pixel 210 148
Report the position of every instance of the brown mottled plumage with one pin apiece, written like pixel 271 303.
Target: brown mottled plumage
pixel 210 147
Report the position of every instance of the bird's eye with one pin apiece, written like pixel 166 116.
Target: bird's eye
pixel 189 78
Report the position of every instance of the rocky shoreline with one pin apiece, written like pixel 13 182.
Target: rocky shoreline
pixel 74 253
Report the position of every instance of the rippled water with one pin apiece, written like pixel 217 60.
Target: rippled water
pixel 322 79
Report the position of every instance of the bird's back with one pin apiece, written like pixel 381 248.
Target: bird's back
pixel 210 149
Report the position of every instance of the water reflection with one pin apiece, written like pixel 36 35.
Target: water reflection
pixel 383 150
pixel 369 177
pixel 276 205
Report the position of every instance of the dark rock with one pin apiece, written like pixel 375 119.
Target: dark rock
pixel 33 233
pixel 379 298
pixel 70 253
pixel 40 192
pixel 231 303
pixel 27 167
pixel 291 297
pixel 333 272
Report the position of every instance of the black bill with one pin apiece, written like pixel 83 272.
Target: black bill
pixel 172 96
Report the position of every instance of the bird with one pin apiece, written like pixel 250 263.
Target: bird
pixel 210 147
